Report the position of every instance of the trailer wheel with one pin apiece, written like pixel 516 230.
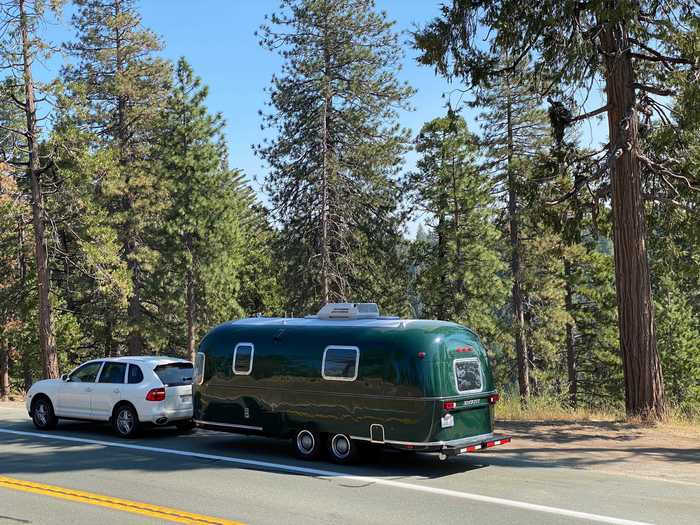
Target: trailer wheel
pixel 342 449
pixel 307 444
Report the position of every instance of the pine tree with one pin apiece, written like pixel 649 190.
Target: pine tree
pixel 457 260
pixel 122 84
pixel 20 48
pixel 514 128
pixel 337 150
pixel 206 243
pixel 636 43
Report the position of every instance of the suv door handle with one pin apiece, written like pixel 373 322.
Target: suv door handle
pixel 88 389
pixel 116 390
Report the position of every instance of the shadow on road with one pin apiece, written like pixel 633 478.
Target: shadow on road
pixel 62 455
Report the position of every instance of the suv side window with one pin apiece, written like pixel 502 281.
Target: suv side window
pixel 135 375
pixel 86 373
pixel 113 373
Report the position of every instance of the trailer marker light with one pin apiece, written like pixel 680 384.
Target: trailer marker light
pixel 449 405
pixel 464 349
pixel 156 394
pixel 421 355
pixel 494 399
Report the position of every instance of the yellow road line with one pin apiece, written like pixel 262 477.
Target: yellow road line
pixel 135 507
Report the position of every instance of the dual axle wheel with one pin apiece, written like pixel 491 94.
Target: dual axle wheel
pixel 309 444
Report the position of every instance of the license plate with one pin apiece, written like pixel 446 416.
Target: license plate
pixel 186 399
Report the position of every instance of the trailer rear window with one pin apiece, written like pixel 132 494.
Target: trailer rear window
pixel 175 374
pixel 468 375
pixel 340 363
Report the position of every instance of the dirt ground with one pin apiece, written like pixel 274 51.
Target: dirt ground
pixel 669 453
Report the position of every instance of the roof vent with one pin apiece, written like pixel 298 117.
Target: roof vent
pixel 349 311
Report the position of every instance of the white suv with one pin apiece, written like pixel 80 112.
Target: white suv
pixel 126 391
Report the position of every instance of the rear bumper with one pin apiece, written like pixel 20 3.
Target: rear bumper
pixel 453 447
pixel 474 444
pixel 157 414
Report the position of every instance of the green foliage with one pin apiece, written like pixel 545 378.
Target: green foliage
pixel 337 150
pixel 458 267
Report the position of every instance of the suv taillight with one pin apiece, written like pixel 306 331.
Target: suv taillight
pixel 156 394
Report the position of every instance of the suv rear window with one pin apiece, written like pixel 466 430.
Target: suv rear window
pixel 468 375
pixel 175 374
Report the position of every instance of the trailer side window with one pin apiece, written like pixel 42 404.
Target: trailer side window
pixel 243 359
pixel 340 363
pixel 199 368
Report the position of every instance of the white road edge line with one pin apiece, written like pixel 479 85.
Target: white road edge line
pixel 334 474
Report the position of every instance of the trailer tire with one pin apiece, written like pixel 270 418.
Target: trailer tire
pixel 342 449
pixel 307 444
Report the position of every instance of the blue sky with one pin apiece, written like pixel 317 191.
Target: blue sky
pixel 217 38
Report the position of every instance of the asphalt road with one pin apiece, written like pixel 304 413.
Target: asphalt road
pixel 82 473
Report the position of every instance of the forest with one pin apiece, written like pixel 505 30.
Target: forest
pixel 127 229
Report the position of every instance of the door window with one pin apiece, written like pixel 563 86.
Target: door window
pixel 243 359
pixel 340 363
pixel 135 374
pixel 113 373
pixel 86 373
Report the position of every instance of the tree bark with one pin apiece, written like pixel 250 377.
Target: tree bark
pixel 325 251
pixel 644 390
pixel 4 370
pixel 516 270
pixel 46 337
pixel 190 299
pixel 571 363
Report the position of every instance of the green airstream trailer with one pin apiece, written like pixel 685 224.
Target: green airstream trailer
pixel 348 377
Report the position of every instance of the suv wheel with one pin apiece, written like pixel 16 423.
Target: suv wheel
pixel 43 416
pixel 125 421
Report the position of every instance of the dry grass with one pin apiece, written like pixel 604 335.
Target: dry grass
pixel 542 408
pixel 545 408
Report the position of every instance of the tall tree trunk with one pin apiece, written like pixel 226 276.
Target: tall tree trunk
pixel 22 266
pixel 570 342
pixel 4 369
pixel 134 310
pixel 325 249
pixel 644 390
pixel 46 337
pixel 516 270
pixel 442 295
pixel 190 299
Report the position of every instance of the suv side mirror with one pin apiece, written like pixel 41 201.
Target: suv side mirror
pixel 65 378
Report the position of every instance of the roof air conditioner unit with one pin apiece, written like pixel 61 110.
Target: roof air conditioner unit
pixel 349 311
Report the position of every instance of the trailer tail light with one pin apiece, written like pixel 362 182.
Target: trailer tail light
pixel 494 399
pixel 156 394
pixel 449 405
